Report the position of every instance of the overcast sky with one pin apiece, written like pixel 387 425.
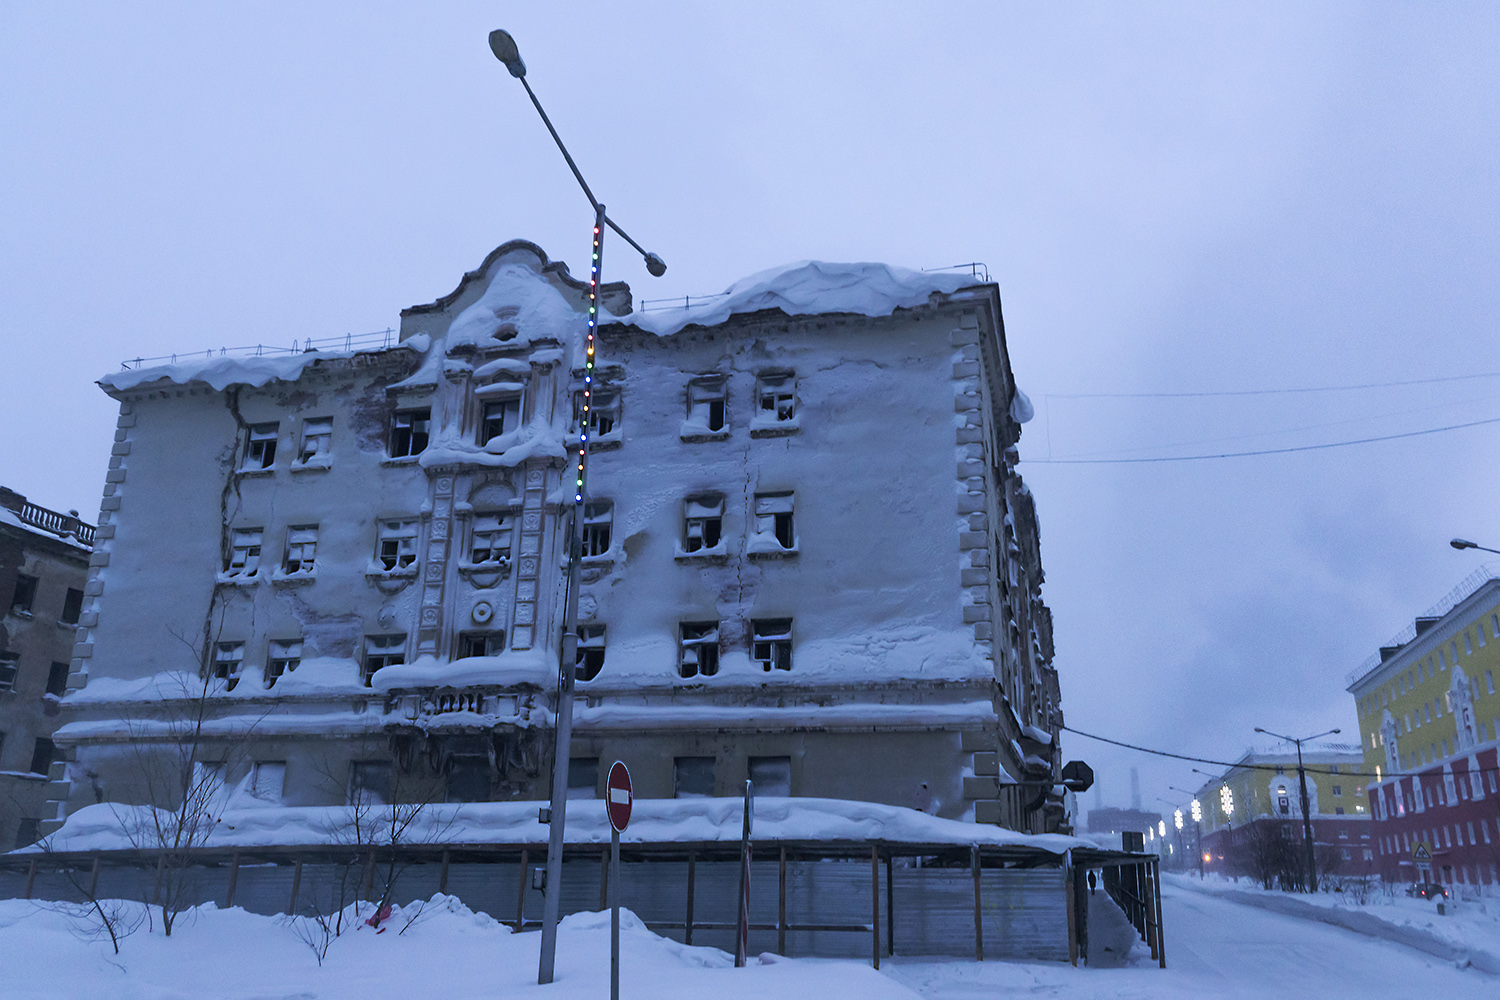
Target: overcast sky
pixel 1172 198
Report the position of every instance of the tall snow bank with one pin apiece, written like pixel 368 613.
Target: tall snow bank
pixel 810 287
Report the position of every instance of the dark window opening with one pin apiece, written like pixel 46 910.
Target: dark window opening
pixel 72 607
pixel 598 519
pixel 772 643
pixel 285 655
pixel 706 404
pixel 410 430
pixel 260 449
pixel 699 649
pixel 469 779
pixel 42 755
pixel 28 832
pixel 57 679
pixel 499 416
pixel 8 670
pixel 590 658
pixel 604 411
pixel 24 595
pixel 383 651
pixel 703 522
pixel 369 782
pixel 480 644
pixel 693 777
pixel 771 775
pixel 583 777
pixel 228 658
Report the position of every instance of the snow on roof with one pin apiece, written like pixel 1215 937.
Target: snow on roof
pixel 707 820
pixel 224 370
pixel 810 287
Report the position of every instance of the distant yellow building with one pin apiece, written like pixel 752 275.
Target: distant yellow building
pixel 1256 806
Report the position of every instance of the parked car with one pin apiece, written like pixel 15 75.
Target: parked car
pixel 1427 890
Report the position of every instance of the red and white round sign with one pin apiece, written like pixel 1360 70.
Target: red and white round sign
pixel 617 796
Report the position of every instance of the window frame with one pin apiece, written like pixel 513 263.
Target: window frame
pixel 23 597
pixel 260 446
pixel 780 387
pixel 464 649
pixel 306 563
pixel 225 666
pixel 705 524
pixel 775 526
pixel 279 659
pixel 494 409
pixel 778 642
pixel 591 650
pixel 705 640
pixel 604 405
pixel 504 527
pixel 321 439
pixel 253 546
pixel 598 522
pixel 398 530
pixel 707 401
pixel 72 609
pixel 10 670
pixel 414 436
pixel 682 767
pixel 383 649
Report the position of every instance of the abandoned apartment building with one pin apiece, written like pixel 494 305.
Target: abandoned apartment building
pixel 44 559
pixel 807 556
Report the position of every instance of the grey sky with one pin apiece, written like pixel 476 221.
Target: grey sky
pixel 1171 197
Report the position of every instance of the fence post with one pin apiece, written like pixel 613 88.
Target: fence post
pixel 94 878
pixel 875 901
pixel 234 877
pixel 781 906
pixel 978 911
pixel 890 904
pixel 1161 937
pixel 369 876
pixel 520 887
pixel 443 873
pixel 291 908
pixel 1148 908
pixel 1070 892
pixel 687 934
pixel 30 878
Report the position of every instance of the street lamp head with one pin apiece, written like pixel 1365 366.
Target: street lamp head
pixel 654 264
pixel 1259 730
pixel 1463 543
pixel 505 50
pixel 1338 730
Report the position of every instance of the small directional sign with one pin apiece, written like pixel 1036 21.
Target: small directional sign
pixel 1421 852
pixel 618 796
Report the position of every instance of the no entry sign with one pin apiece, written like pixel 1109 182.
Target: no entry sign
pixel 617 796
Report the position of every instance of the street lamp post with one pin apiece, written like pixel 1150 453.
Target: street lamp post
pixel 1197 813
pixel 504 48
pixel 1307 834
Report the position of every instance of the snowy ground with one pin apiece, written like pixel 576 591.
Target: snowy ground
pixel 1216 947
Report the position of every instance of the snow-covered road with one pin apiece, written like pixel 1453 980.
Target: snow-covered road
pixel 1219 948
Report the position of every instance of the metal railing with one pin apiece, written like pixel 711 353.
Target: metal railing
pixel 678 302
pixel 978 269
pixel 376 340
pixel 1467 586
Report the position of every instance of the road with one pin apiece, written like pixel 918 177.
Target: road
pixel 1217 948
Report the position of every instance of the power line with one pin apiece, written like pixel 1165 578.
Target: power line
pixel 1262 451
pixel 1273 392
pixel 1252 767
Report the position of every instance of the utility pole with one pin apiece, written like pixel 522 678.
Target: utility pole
pixel 1310 860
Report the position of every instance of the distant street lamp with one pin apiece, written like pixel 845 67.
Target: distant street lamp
pixel 1307 834
pixel 504 48
pixel 1197 811
pixel 1464 543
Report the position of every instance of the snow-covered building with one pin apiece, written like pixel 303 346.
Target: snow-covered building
pixel 1429 720
pixel 44 557
pixel 807 556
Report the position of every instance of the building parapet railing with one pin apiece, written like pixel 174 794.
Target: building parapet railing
pixel 376 340
pixel 67 525
pixel 1466 587
pixel 679 302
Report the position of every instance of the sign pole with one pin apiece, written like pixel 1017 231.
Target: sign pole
pixel 742 938
pixel 614 914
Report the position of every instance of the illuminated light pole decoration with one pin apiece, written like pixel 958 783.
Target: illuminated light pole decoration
pixel 504 48
pixel 1197 809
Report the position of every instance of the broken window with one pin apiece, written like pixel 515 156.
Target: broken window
pixel 604 410
pixel 396 546
pixel 284 656
pixel 369 782
pixel 491 538
pixel 703 522
pixel 583 777
pixel 72 607
pixel 693 777
pixel 43 753
pixel 24 595
pixel 598 518
pixel 410 430
pixel 771 646
pixel 317 438
pixel 776 397
pixel 8 670
pixel 268 780
pixel 301 548
pixel 771 775
pixel 773 519
pixel 383 651
pixel 705 405
pixel 590 657
pixel 244 552
pixel 499 416
pixel 57 679
pixel 698 649
pixel 228 658
pixel 480 644
pixel 260 447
